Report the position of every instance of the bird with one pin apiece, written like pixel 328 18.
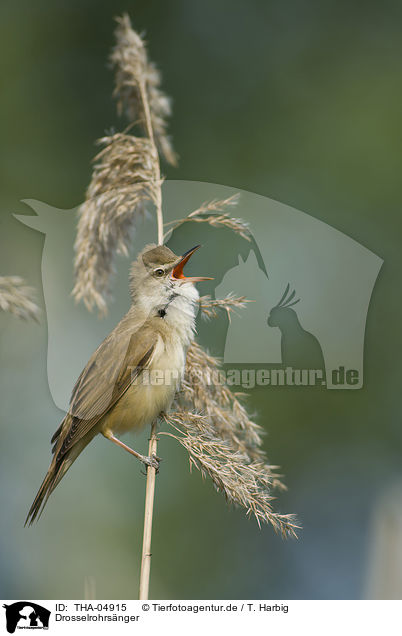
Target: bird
pixel 300 349
pixel 115 393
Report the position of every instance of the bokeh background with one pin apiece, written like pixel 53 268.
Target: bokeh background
pixel 299 101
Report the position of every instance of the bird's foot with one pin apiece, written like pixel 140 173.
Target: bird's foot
pixel 152 461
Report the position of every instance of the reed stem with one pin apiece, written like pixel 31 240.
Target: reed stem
pixel 153 440
pixel 149 509
pixel 150 131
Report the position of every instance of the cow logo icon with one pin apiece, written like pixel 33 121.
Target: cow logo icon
pixel 26 615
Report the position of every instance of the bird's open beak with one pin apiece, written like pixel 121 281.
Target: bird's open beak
pixel 177 271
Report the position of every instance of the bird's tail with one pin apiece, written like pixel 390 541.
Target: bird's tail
pixel 55 473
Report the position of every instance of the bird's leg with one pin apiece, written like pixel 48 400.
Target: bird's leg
pixel 153 461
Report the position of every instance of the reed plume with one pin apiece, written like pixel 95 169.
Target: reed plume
pixel 219 432
pixel 211 212
pixel 124 179
pixel 17 298
pixel 210 420
pixel 244 482
pixel 134 74
pixel 210 307
pixel 126 174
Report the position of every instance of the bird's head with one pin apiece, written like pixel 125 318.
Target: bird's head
pixel 157 276
pixel 283 314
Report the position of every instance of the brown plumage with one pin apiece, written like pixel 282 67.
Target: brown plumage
pixel 109 396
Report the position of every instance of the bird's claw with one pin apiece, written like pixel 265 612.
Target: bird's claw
pixel 152 461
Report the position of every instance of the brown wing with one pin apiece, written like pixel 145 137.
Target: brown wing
pixel 118 361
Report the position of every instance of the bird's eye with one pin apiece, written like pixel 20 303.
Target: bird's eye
pixel 159 272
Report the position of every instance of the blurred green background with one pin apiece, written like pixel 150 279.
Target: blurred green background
pixel 299 101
